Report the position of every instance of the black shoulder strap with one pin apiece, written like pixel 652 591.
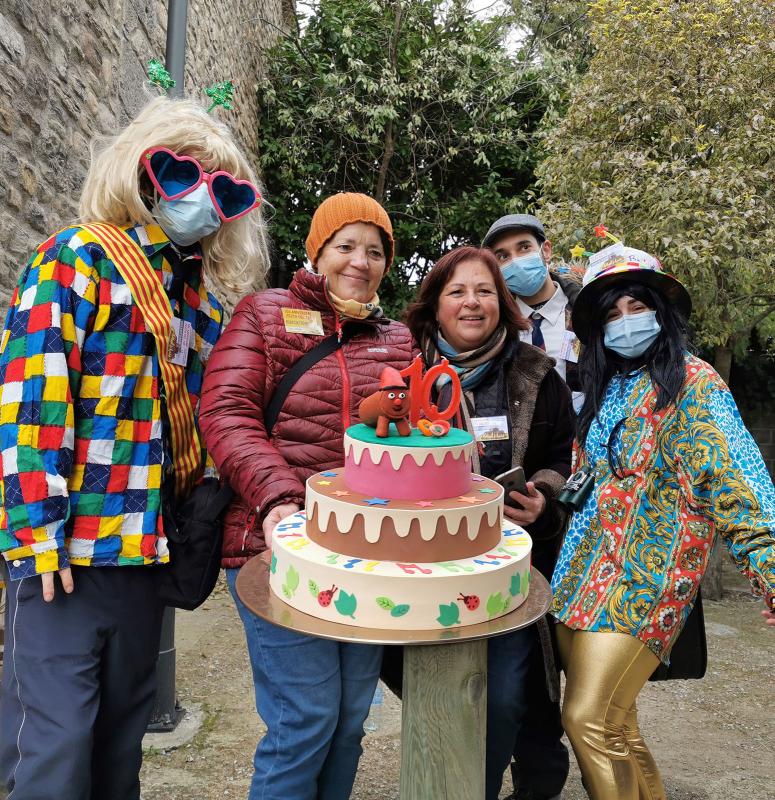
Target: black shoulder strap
pixel 306 362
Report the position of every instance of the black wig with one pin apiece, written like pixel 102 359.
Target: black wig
pixel 664 359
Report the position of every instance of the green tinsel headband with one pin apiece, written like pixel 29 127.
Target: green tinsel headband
pixel 221 93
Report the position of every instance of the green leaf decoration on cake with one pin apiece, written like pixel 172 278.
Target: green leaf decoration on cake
pixel 497 604
pixel 291 582
pixel 273 564
pixel 385 603
pixel 313 588
pixel 399 611
pixel 346 604
pixel 448 614
pixel 516 581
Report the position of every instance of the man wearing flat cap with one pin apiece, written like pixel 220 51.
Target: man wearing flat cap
pixel 545 297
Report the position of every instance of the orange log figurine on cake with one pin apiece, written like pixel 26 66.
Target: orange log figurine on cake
pixel 390 403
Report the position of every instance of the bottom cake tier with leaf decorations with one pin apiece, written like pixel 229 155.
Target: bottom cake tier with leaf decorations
pixel 395 595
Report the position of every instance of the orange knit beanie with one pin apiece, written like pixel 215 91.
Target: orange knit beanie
pixel 342 209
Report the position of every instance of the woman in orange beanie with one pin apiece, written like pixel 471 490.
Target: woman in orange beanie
pixel 312 694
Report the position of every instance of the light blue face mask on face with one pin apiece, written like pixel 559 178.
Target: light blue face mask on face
pixel 525 275
pixel 632 334
pixel 189 218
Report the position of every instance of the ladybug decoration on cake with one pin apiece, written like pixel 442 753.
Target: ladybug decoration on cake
pixel 390 403
pixel 471 601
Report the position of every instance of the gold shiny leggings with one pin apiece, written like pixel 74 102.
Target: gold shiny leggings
pixel 604 673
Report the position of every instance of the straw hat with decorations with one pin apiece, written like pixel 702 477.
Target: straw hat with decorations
pixel 613 266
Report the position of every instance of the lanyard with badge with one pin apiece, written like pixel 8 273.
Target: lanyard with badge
pixel 181 331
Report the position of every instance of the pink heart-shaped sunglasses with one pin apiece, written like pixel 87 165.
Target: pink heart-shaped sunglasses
pixel 175 176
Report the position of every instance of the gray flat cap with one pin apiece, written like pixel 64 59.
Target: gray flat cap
pixel 514 222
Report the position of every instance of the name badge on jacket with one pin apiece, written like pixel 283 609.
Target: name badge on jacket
pixel 490 429
pixel 302 320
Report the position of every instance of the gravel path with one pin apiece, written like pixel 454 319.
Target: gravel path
pixel 711 738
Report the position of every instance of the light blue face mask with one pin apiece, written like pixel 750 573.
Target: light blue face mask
pixel 189 218
pixel 525 275
pixel 632 334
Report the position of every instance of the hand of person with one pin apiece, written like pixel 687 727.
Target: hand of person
pixel 274 516
pixel 47 579
pixel 769 617
pixel 533 505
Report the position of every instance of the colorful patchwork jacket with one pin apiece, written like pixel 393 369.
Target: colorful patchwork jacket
pixel 634 556
pixel 81 435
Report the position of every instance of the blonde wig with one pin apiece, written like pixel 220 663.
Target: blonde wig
pixel 237 253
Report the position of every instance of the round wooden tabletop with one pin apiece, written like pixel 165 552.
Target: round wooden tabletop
pixel 253 589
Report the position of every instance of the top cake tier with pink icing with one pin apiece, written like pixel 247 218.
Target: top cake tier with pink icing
pixel 412 467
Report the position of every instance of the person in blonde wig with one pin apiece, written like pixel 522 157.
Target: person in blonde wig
pixel 237 253
pixel 87 472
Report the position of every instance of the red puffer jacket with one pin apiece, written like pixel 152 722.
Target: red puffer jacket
pixel 247 363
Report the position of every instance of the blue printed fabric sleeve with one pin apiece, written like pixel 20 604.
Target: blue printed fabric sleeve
pixel 734 482
pixel 40 355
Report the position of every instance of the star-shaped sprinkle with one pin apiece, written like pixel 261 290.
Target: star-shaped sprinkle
pixel 469 499
pixel 487 491
pixel 324 483
pixel 577 251
pixel 328 474
pixel 376 501
pixel 424 504
pixel 340 493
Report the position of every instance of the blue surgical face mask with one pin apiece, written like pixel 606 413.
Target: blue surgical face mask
pixel 189 218
pixel 632 334
pixel 525 275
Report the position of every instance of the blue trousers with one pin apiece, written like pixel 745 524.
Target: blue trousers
pixel 79 680
pixel 313 696
pixel 542 759
pixel 508 662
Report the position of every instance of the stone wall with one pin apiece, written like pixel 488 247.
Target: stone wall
pixel 75 68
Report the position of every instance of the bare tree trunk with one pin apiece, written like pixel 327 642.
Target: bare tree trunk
pixel 390 138
pixel 722 361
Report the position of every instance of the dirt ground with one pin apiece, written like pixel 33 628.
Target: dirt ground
pixel 712 739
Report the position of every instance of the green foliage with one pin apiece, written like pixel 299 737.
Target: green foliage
pixel 669 140
pixel 314 589
pixel 415 102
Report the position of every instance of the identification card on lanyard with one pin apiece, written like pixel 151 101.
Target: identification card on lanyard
pixel 181 336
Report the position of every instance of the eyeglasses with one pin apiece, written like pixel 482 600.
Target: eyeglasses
pixel 175 176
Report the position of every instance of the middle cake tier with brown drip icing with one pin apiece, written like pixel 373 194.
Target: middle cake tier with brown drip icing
pixel 369 526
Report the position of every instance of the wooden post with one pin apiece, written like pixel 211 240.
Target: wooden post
pixel 444 719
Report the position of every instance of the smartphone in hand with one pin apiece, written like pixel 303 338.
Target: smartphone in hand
pixel 512 480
